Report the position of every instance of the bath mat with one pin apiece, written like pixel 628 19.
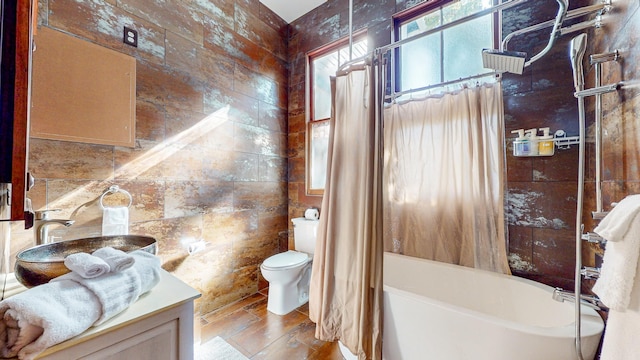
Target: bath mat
pixel 217 348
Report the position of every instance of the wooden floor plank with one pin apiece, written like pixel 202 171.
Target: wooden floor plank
pixel 261 335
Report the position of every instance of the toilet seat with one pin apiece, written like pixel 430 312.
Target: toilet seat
pixel 286 260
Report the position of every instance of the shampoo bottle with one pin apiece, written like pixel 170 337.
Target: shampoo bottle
pixel 532 135
pixel 520 144
pixel 545 143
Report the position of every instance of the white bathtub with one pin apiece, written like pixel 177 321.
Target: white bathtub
pixel 439 311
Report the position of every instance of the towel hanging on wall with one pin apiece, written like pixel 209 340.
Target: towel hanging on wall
pixel 115 220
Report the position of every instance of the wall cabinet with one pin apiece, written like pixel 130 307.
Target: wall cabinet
pixel 81 91
pixel 15 90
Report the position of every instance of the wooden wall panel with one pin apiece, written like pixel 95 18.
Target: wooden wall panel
pixel 82 92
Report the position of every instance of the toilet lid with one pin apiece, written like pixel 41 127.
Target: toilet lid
pixel 285 260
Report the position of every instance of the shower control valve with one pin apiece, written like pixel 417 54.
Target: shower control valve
pixel 590 272
pixel 593 238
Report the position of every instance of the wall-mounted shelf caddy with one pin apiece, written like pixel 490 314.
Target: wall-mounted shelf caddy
pixel 533 146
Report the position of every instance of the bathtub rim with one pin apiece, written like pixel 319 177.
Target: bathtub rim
pixel 592 323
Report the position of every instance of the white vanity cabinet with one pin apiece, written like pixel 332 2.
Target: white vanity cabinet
pixel 158 326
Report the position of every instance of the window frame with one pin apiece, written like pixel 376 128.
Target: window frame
pixel 310 113
pixel 408 15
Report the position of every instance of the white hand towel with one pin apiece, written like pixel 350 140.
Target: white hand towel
pixel 117 260
pixel 619 264
pixel 115 221
pixel 86 265
pixel 617 222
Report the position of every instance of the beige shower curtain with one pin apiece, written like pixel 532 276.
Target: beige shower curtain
pixel 345 299
pixel 443 176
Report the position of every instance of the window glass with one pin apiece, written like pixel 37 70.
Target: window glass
pixel 324 64
pixel 319 148
pixel 323 67
pixel 460 9
pixel 445 55
pixel 464 43
pixel 423 59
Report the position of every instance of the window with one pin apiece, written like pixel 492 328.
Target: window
pixel 323 64
pixel 446 55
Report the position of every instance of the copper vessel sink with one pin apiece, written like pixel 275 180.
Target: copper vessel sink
pixel 39 264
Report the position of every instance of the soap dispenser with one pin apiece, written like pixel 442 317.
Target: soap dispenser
pixel 520 144
pixel 545 143
pixel 532 136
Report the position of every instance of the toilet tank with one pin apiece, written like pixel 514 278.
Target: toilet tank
pixel 304 234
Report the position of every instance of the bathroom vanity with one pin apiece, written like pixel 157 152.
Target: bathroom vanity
pixel 158 326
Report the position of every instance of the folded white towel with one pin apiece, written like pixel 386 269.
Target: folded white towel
pixel 115 221
pixel 86 265
pixel 619 264
pixel 19 333
pixel 117 290
pixel 617 222
pixel 62 309
pixel 51 313
pixel 117 260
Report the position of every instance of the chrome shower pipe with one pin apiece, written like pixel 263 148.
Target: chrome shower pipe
pixel 581 26
pixel 562 13
pixel 563 31
pixel 572 14
pixel 597 60
pixel 598 90
pixel 350 30
pixel 577 49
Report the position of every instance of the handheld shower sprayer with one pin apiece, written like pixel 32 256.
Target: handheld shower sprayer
pixel 577 48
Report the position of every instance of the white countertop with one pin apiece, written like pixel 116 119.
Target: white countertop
pixel 169 292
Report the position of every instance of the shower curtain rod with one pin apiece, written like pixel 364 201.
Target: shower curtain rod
pixel 462 20
pixel 368 59
pixel 385 48
pixel 397 94
pixel 570 15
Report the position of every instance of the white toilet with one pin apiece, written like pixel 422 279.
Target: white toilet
pixel 288 273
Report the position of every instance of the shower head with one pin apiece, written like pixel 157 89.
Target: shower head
pixel 504 61
pixel 577 48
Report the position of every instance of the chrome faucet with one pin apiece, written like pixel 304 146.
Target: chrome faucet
pixel 591 301
pixel 42 223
